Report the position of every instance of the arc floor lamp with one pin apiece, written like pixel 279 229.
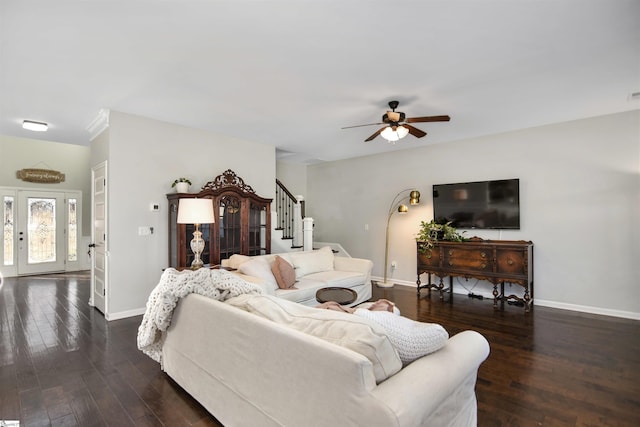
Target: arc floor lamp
pixel 397 206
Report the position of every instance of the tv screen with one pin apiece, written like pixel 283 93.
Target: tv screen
pixel 483 204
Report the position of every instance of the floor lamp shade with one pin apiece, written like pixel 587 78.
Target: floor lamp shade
pixel 196 211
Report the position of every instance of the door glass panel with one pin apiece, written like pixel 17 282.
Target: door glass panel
pixel 41 226
pixel 72 227
pixel 229 223
pixel 7 214
pixel 256 229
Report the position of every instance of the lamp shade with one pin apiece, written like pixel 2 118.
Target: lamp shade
pixel 414 197
pixel 195 211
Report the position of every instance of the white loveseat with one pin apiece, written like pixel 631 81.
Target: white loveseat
pixel 248 370
pixel 313 270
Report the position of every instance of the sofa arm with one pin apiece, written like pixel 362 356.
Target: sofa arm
pixel 422 387
pixel 359 265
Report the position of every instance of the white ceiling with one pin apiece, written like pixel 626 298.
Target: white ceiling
pixel 292 73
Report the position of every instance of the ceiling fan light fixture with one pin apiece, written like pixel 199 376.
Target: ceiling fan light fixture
pixel 34 126
pixel 393 135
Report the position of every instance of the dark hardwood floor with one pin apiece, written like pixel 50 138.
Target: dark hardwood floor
pixel 62 364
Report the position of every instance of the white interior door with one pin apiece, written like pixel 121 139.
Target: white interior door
pixel 99 258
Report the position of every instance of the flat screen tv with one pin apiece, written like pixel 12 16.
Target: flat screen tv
pixel 483 204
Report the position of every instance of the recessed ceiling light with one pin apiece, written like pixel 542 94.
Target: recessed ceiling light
pixel 34 126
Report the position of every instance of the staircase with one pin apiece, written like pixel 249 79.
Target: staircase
pixel 289 233
pixel 293 231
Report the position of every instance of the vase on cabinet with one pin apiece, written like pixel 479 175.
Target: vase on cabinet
pixel 182 187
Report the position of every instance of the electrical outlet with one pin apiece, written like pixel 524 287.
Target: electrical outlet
pixel 394 264
pixel 144 231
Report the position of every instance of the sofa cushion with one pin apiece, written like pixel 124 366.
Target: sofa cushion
pixel 305 290
pixel 283 272
pixel 235 260
pixel 259 267
pixel 344 279
pixel 344 329
pixel 312 262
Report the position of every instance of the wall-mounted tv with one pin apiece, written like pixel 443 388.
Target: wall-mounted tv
pixel 483 204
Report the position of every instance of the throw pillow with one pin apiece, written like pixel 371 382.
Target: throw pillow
pixel 410 338
pixel 284 273
pixel 259 267
pixel 312 262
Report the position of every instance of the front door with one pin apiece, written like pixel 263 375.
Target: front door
pixel 41 231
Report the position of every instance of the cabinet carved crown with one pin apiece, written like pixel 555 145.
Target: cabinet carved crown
pixel 243 222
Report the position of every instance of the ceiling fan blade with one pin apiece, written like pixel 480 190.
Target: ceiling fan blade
pixel 428 119
pixel 415 131
pixel 372 137
pixel 359 126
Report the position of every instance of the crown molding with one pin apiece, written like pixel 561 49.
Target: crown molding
pixel 99 124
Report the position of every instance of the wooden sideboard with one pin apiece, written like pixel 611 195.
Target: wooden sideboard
pixel 497 261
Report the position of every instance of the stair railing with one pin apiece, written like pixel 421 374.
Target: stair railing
pixel 290 212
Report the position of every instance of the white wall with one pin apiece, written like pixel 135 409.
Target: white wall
pixel 579 196
pixel 145 156
pixel 293 176
pixel 72 160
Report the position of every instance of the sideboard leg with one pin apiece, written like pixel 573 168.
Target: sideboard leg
pixel 527 301
pixel 495 296
pixel 441 289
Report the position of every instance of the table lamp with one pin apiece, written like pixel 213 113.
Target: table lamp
pixel 196 211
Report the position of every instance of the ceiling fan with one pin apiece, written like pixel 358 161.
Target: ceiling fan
pixel 397 126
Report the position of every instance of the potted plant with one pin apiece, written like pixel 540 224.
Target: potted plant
pixel 181 185
pixel 432 231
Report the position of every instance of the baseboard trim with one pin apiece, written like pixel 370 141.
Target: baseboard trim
pixel 589 309
pixel 124 314
pixel 543 303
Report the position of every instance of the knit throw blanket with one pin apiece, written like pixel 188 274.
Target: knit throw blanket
pixel 217 284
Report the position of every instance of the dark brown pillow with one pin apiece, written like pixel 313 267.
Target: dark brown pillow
pixel 284 273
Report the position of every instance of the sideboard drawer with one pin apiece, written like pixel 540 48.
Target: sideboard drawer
pixel 477 259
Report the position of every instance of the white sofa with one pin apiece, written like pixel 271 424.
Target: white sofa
pixel 313 269
pixel 248 370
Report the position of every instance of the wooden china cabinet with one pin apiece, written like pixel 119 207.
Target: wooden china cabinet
pixel 243 223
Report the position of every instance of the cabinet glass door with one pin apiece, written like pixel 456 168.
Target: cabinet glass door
pixel 257 229
pixel 229 226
